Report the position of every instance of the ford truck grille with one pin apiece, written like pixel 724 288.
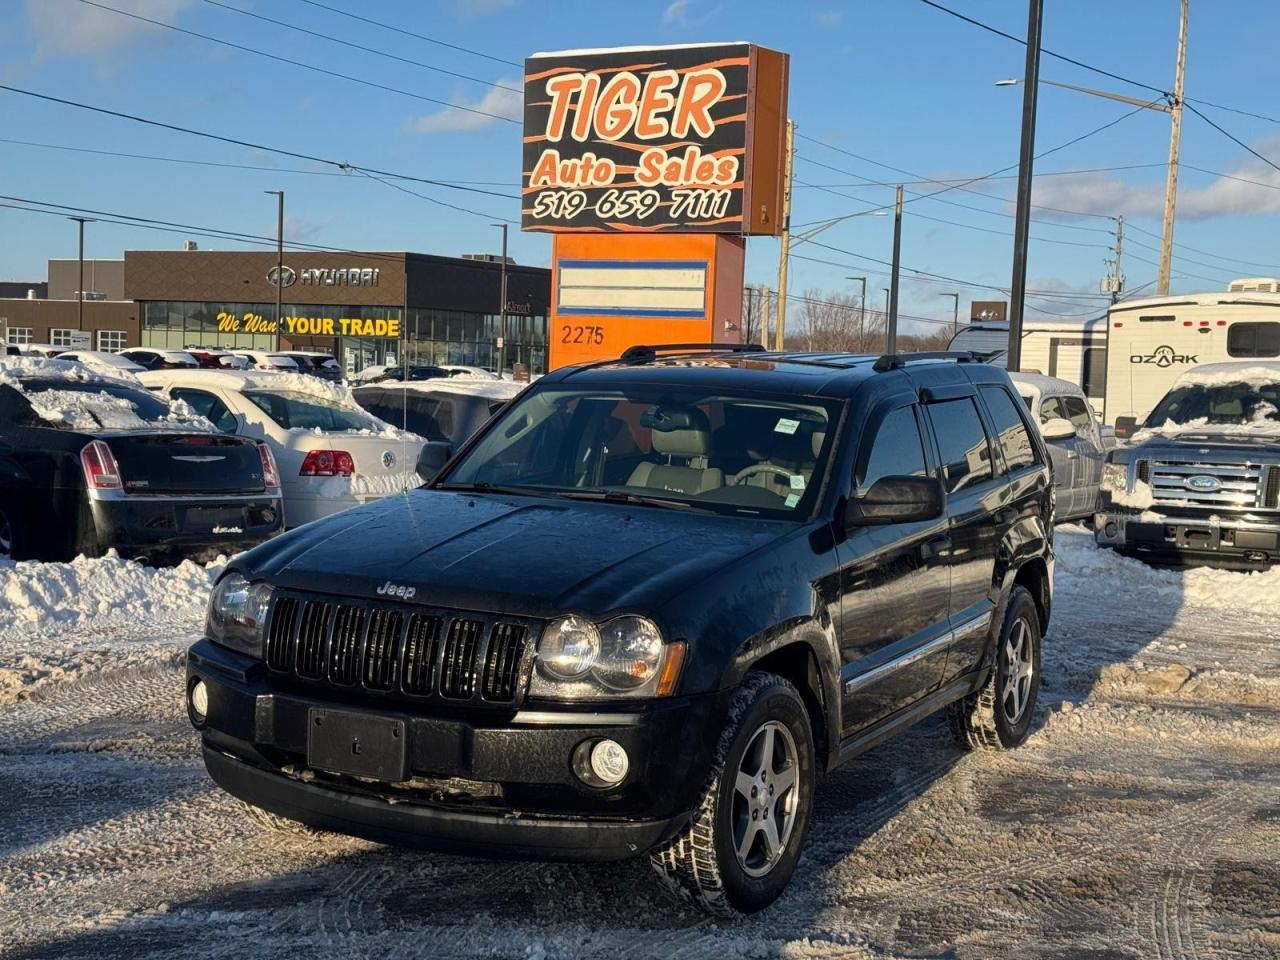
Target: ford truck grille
pixel 1239 485
pixel 414 653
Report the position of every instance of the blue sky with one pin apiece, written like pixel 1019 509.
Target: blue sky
pixel 892 81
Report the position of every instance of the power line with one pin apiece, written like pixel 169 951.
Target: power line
pixel 409 33
pixel 863 182
pixel 1218 106
pixel 1231 261
pixel 1057 56
pixel 356 46
pixel 299 63
pixel 1234 139
pixel 341 165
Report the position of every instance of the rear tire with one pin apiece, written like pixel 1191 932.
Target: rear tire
pixel 739 851
pixel 998 717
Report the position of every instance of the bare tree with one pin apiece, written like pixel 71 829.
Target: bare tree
pixel 836 323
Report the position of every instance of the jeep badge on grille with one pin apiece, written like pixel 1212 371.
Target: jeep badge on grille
pixel 390 589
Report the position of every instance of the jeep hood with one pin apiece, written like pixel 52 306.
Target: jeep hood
pixel 510 554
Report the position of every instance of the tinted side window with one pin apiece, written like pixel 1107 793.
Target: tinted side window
pixel 209 407
pixel 1051 409
pixel 1095 371
pixel 966 453
pixel 897 450
pixel 1011 430
pixel 1254 340
pixel 1077 412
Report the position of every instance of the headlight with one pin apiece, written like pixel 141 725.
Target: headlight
pixel 625 657
pixel 1115 476
pixel 237 612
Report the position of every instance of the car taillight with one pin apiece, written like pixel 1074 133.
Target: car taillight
pixel 99 465
pixel 270 476
pixel 327 463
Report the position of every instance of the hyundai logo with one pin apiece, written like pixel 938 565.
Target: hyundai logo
pixel 1203 483
pixel 388 459
pixel 281 276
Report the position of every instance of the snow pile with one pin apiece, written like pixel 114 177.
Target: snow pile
pixel 1225 374
pixel 462 386
pixel 12 368
pixel 49 597
pixel 287 382
pixel 1085 570
pixel 1139 498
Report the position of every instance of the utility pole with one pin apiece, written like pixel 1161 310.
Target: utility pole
pixel 891 333
pixel 764 314
pixel 1114 284
pixel 80 285
pixel 1026 158
pixel 502 307
pixel 784 250
pixel 749 313
pixel 279 195
pixel 1175 145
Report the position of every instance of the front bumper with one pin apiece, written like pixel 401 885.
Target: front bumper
pixel 490 783
pixel 196 527
pixel 1216 540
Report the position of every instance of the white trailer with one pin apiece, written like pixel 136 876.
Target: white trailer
pixel 1070 350
pixel 1152 342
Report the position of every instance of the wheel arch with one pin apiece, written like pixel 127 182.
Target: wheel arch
pixel 797 661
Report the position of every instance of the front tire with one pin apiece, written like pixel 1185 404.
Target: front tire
pixel 740 849
pixel 998 717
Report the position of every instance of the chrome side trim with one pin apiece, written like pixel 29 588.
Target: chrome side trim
pixel 116 495
pixel 979 624
pixel 854 684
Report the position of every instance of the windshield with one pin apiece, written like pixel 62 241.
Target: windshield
pixel 302 411
pixel 747 454
pixel 1233 404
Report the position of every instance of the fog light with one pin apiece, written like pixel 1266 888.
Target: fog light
pixel 1111 529
pixel 199 700
pixel 609 762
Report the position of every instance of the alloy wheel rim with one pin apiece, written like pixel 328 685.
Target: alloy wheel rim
pixel 765 799
pixel 1019 672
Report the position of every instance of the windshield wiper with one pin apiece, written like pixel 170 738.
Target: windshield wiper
pixel 483 486
pixel 622 496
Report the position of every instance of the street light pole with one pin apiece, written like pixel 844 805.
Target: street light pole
pixel 279 195
pixel 502 305
pixel 862 305
pixel 1175 145
pixel 891 334
pixel 955 312
pixel 784 248
pixel 1026 158
pixel 80 284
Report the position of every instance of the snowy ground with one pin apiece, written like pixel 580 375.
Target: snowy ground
pixel 1141 820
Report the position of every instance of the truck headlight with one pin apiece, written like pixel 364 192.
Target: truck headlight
pixel 237 613
pixel 1115 476
pixel 624 657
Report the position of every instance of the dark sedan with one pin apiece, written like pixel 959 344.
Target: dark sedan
pixel 89 464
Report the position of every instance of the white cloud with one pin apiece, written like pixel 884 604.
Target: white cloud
pixel 1106 194
pixel 829 18
pixel 78 30
pixel 498 101
pixel 677 13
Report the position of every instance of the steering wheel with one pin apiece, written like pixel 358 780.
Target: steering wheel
pixel 761 468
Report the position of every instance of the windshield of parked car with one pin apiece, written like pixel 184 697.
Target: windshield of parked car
pixel 1222 404
pixel 302 411
pixel 729 453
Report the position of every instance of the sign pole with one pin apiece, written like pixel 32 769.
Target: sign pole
pixel 784 250
pixel 279 195
pixel 1022 215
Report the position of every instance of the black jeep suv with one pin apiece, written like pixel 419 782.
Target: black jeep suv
pixel 641 611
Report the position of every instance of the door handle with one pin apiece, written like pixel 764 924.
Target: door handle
pixel 935 546
pixel 1006 515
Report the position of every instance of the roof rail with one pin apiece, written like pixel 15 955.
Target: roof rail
pixel 643 351
pixel 893 361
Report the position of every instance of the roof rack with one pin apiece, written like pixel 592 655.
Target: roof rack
pixel 894 361
pixel 643 352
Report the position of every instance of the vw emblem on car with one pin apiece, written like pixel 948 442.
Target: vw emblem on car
pixel 388 459
pixel 1203 483
pixel 281 276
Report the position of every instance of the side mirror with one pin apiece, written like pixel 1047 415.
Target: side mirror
pixel 897 500
pixel 1058 428
pixel 432 458
pixel 1126 427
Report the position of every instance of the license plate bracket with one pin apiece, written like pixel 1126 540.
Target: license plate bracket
pixel 357 744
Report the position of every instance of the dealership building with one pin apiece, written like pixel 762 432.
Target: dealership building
pixel 364 308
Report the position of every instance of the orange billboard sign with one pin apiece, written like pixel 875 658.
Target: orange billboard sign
pixel 658 139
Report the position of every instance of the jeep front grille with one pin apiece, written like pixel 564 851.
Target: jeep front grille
pixel 399 651
pixel 1240 485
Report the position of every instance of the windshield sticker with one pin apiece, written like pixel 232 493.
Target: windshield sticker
pixel 797 482
pixel 792 500
pixel 787 426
